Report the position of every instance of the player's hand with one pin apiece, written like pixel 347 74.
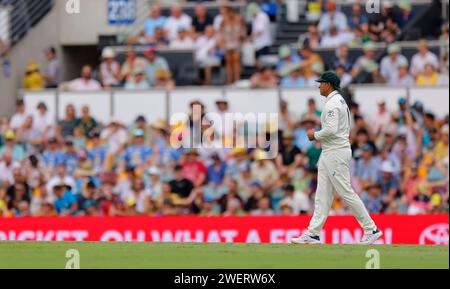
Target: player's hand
pixel 311 134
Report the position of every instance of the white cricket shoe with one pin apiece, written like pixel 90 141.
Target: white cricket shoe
pixel 370 238
pixel 306 239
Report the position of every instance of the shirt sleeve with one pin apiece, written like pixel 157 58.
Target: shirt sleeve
pixel 330 125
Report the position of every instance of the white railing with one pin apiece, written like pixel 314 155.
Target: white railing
pixel 161 104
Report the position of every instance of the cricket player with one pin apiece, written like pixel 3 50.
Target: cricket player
pixel 334 165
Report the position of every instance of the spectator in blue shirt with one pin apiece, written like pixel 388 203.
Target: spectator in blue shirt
pixel 70 157
pixel 152 22
pixel 372 199
pixel 367 167
pixel 357 19
pixel 390 185
pixel 294 79
pixel 65 201
pixel 52 156
pixel 216 171
pixel 286 58
pixel 97 154
pixel 138 152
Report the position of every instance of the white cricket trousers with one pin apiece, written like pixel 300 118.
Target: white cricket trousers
pixel 334 176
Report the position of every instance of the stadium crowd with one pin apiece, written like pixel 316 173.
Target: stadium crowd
pixel 79 166
pixel 225 40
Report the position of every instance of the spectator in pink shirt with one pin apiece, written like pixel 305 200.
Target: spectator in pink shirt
pixel 193 169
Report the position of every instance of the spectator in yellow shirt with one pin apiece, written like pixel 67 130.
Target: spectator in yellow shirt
pixel 33 79
pixel 429 76
pixel 441 149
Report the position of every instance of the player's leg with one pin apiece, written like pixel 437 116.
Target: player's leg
pixel 339 172
pixel 322 205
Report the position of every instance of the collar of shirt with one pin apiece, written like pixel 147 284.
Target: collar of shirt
pixel 331 95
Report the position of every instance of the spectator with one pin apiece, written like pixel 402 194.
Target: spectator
pixel 217 22
pixel 132 61
pixel 138 152
pixel 311 62
pixel 216 171
pixel 153 64
pixel 180 185
pixel 381 119
pixel 12 147
pixel 257 194
pixel 115 135
pixel 33 78
pixel 264 78
pixel 261 36
pixel 18 119
pixel 194 169
pixel 332 18
pixel 406 14
pixel 298 201
pixel 366 168
pixel 342 58
pixel 183 40
pixel 345 77
pixel 335 38
pixel 312 37
pixel 232 32
pixel 403 77
pixel 388 182
pixel 29 137
pixel 109 69
pixel 390 64
pixel 176 20
pixel 52 74
pixel 290 156
pixel 7 165
pixel 366 62
pixel 287 59
pixel 67 125
pixel 65 200
pixel 44 121
pixel 372 199
pixel 201 20
pixel 85 82
pixel 159 39
pixel 206 56
pixel 263 170
pixel 164 79
pixel 263 208
pixel 357 18
pixel 61 176
pixel 155 20
pixel 52 156
pixel 429 76
pixel 137 196
pixel 97 152
pixel 294 79
pixel 421 58
pixel 137 81
pixel 87 123
pixel 234 208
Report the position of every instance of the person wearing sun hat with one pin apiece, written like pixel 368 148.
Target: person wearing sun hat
pixel 286 58
pixel 137 81
pixel 391 62
pixel 33 78
pixel 334 165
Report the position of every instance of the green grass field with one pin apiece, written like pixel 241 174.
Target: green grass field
pixel 218 256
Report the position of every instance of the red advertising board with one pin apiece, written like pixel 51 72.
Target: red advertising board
pixel 398 229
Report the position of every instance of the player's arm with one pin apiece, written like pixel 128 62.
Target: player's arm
pixel 330 125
